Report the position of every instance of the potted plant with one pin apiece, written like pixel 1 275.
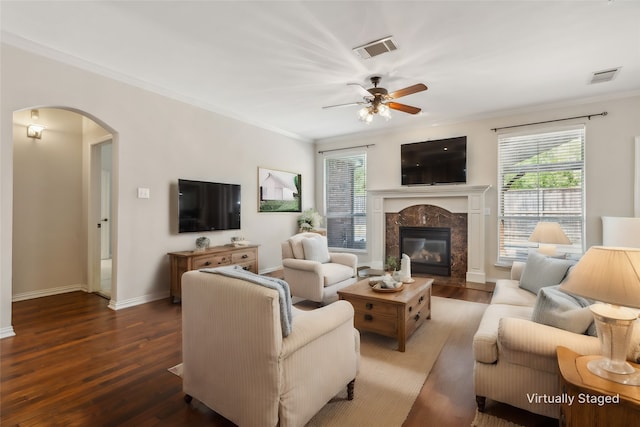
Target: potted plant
pixel 391 264
pixel 308 220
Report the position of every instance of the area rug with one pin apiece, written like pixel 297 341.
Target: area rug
pixel 486 420
pixel 389 381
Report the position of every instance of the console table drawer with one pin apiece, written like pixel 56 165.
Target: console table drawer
pixel 249 266
pixel 244 256
pixel 211 261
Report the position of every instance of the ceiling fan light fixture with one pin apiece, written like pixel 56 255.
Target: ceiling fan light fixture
pixel 377 100
pixel 366 115
pixel 384 111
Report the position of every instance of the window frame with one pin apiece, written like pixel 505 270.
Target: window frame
pixel 362 216
pixel 574 222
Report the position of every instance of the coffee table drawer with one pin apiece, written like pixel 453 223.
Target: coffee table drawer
pixel 373 307
pixel 416 319
pixel 378 323
pixel 417 303
pixel 417 310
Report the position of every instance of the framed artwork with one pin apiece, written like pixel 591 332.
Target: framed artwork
pixel 279 191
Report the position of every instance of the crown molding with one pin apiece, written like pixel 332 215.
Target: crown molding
pixel 74 61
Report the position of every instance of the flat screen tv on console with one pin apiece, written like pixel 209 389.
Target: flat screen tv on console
pixel 208 206
pixel 442 161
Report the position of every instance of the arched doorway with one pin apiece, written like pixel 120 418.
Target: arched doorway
pixel 57 203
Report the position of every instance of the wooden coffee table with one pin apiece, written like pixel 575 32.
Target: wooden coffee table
pixel 393 314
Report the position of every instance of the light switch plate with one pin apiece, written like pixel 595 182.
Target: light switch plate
pixel 143 193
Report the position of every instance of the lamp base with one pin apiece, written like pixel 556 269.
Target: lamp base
pixel 614 325
pixel 608 369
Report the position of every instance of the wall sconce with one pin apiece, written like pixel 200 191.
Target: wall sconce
pixel 35 131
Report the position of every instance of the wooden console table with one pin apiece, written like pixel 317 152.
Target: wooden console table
pixel 396 314
pixel 591 400
pixel 216 256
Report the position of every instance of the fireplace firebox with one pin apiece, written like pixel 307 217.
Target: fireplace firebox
pixel 429 249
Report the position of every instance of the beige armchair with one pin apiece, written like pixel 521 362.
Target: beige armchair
pixel 314 273
pixel 237 362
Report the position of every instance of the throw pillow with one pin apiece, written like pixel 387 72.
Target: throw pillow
pixel 315 249
pixel 562 310
pixel 296 245
pixel 541 271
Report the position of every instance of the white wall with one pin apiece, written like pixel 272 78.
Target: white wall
pixel 609 159
pixel 156 141
pixel 48 237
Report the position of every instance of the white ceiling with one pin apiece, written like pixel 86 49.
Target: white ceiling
pixel 277 63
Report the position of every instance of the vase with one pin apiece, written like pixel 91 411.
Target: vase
pixel 202 243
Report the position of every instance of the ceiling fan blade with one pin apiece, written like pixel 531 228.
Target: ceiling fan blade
pixel 404 108
pixel 361 89
pixel 407 91
pixel 349 104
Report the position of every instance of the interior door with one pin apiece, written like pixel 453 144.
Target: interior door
pixel 102 196
pixel 105 214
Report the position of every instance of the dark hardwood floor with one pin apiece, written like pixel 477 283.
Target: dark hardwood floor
pixel 75 362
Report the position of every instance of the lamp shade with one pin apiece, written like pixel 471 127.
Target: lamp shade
pixel 607 274
pixel 621 231
pixel 549 232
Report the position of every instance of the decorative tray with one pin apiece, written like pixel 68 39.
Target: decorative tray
pixel 377 288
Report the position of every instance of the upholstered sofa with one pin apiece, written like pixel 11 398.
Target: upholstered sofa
pixel 515 357
pixel 255 359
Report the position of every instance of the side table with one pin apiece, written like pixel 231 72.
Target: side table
pixel 589 400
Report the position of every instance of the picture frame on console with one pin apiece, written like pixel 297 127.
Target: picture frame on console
pixel 279 191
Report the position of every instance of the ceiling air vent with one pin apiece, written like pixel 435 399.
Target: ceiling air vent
pixel 604 75
pixel 375 48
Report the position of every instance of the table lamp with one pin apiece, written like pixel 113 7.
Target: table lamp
pixel 548 235
pixel 611 276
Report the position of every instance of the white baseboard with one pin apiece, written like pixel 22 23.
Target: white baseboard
pixel 114 305
pixel 270 270
pixel 476 277
pixel 48 292
pixel 7 332
pixel 119 305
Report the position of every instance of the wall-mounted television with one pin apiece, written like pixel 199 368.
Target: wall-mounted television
pixel 442 161
pixel 208 206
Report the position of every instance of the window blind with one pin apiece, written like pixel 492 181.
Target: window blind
pixel 540 178
pixel 346 200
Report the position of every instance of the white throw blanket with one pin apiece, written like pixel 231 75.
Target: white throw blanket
pixel 269 282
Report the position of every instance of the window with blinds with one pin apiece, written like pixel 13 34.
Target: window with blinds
pixel 345 181
pixel 540 178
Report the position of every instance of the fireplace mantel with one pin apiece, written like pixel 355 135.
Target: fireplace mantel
pixel 455 198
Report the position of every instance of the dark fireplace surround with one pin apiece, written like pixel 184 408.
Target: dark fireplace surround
pixel 430 217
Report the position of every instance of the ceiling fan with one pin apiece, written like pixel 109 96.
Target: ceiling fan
pixel 377 100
